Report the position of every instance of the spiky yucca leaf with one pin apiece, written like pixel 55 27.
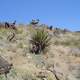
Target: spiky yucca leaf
pixel 40 39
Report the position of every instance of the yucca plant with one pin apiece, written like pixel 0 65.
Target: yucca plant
pixel 40 40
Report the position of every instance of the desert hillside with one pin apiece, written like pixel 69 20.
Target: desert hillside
pixel 60 60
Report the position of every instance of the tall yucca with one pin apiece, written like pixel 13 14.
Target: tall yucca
pixel 39 40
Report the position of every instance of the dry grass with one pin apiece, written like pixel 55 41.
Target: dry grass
pixel 26 66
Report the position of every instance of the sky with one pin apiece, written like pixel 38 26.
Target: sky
pixel 59 13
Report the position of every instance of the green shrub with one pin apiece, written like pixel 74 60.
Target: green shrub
pixel 40 40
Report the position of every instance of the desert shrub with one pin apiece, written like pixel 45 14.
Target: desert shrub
pixel 40 40
pixel 11 37
pixel 34 22
pixel 50 28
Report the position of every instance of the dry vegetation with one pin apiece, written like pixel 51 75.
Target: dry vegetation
pixel 60 61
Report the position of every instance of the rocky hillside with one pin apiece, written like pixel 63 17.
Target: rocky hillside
pixel 61 61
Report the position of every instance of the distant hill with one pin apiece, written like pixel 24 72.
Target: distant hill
pixel 61 61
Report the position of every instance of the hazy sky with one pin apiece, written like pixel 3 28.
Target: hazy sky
pixel 59 13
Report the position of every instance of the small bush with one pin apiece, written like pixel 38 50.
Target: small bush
pixel 40 40
pixel 34 22
pixel 11 37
